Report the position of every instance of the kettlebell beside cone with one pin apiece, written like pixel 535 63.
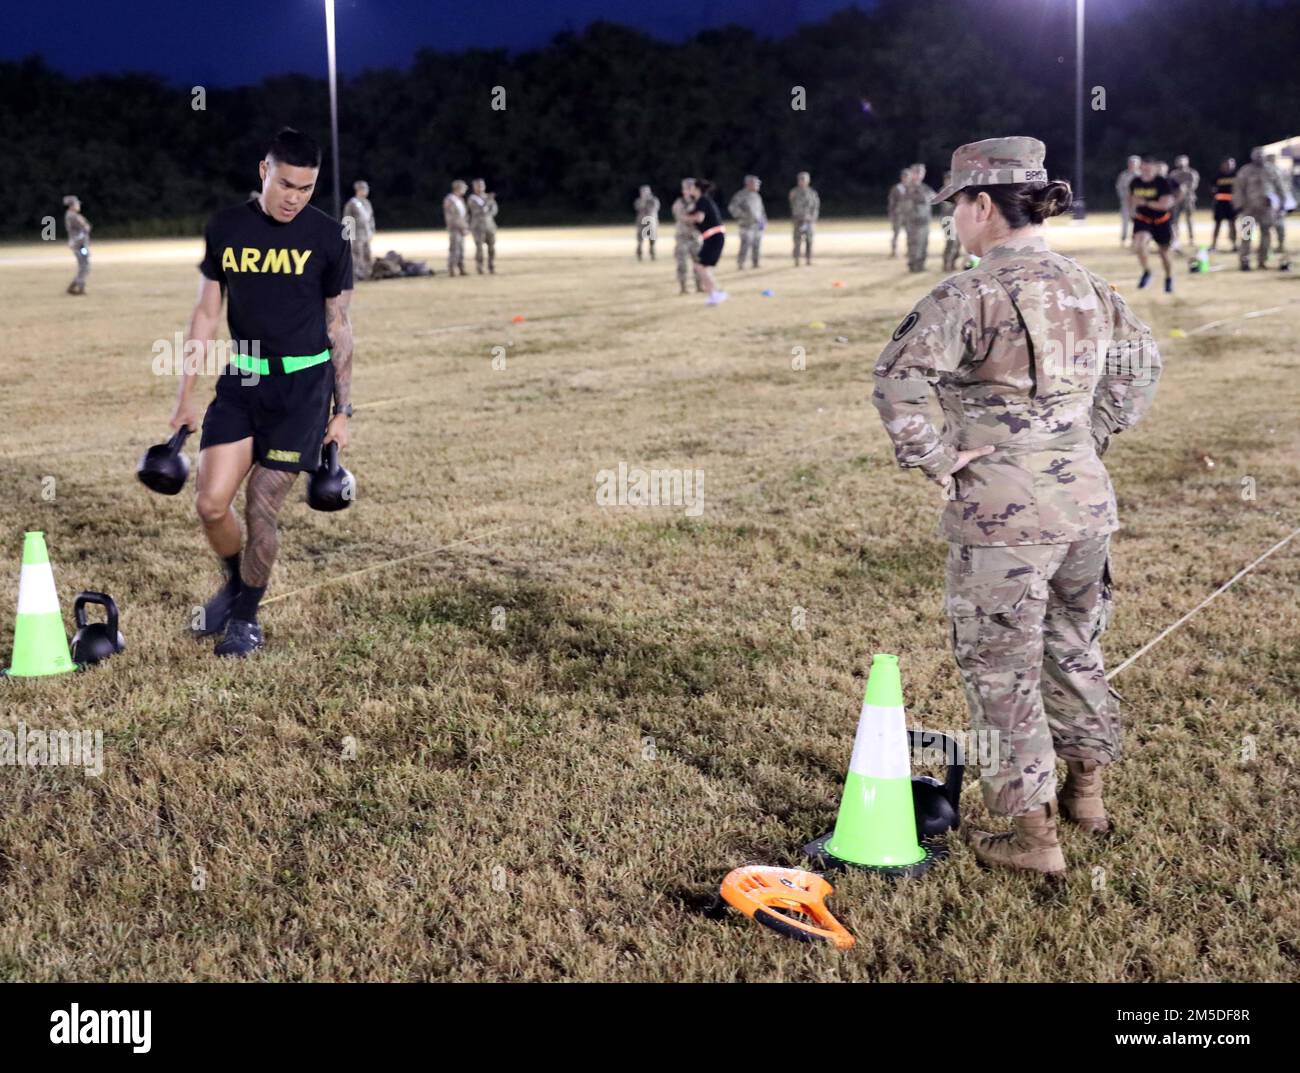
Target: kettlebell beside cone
pixel 95 641
pixel 164 467
pixel 331 486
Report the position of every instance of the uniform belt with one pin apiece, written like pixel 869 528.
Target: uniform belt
pixel 278 366
pixel 1157 220
pixel 1222 197
pixel 719 230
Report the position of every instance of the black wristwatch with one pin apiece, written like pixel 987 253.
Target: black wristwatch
pixel 346 411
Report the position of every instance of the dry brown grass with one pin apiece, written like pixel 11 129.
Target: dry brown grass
pixel 559 799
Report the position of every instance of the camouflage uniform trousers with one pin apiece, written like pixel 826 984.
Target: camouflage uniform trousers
pixel 803 238
pixel 751 241
pixel 485 240
pixel 646 233
pixel 1264 220
pixel 1183 212
pixel 685 251
pixel 896 225
pixel 1026 623
pixel 918 241
pixel 82 254
pixel 362 261
pixel 455 250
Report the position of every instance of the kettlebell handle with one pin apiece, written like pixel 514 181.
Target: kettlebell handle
pixel 329 456
pixel 103 600
pixel 935 739
pixel 178 439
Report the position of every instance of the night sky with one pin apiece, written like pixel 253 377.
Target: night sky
pixel 235 42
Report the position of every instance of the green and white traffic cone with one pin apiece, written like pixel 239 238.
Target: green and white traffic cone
pixel 876 827
pixel 40 644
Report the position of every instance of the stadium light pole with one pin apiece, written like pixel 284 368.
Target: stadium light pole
pixel 1079 211
pixel 334 102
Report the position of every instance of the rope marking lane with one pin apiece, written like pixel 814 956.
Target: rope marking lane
pixel 393 562
pixel 1221 589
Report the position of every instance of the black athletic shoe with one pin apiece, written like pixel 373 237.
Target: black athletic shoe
pixel 1169 284
pixel 216 615
pixel 242 639
pixel 1146 278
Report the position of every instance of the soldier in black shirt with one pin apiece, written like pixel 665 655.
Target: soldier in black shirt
pixel 287 270
pixel 1223 210
pixel 1152 197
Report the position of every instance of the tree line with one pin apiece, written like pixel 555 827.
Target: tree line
pixel 566 133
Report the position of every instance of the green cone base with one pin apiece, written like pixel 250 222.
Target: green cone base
pixel 40 647
pixel 822 860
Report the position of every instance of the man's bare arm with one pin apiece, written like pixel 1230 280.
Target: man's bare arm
pixel 338 325
pixel 202 329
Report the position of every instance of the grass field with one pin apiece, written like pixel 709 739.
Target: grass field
pixel 570 721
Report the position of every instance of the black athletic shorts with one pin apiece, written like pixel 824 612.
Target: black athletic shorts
pixel 1161 234
pixel 1223 210
pixel 285 415
pixel 711 250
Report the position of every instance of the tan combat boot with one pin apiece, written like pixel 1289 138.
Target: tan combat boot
pixel 1081 797
pixel 1032 844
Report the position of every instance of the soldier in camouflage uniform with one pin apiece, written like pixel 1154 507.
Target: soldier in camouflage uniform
pixel 1034 364
pixel 1122 183
pixel 805 207
pixel 647 220
pixel 1188 179
pixel 78 228
pixel 362 215
pixel 1251 197
pixel 1281 183
pixel 895 209
pixel 686 235
pixel 483 225
pixel 916 201
pixel 951 240
pixel 455 214
pixel 746 206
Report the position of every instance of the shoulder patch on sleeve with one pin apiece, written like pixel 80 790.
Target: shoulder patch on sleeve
pixel 908 323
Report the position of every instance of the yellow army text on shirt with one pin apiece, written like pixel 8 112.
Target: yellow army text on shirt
pixel 1035 355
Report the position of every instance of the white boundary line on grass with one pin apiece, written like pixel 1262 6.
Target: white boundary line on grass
pixel 1222 588
pixel 392 562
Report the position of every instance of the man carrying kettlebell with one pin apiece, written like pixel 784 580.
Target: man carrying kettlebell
pixel 288 271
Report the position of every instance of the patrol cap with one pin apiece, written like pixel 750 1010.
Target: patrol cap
pixel 994 162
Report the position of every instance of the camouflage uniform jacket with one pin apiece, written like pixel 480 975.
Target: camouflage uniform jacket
pixel 915 201
pixel 895 201
pixel 805 204
pixel 78 228
pixel 646 206
pixel 1254 184
pixel 1188 179
pixel 746 206
pixel 360 209
pixel 1011 350
pixel 482 212
pixel 686 229
pixel 454 213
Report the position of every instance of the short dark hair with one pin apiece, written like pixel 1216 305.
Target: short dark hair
pixel 294 148
pixel 1023 204
pixel 1149 160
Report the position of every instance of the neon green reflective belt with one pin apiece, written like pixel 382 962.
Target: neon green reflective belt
pixel 249 364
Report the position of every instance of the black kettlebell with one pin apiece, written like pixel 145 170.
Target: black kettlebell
pixel 936 803
pixel 331 486
pixel 164 467
pixel 95 641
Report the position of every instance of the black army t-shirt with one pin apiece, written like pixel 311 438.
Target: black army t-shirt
pixel 712 217
pixel 1150 190
pixel 278 276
